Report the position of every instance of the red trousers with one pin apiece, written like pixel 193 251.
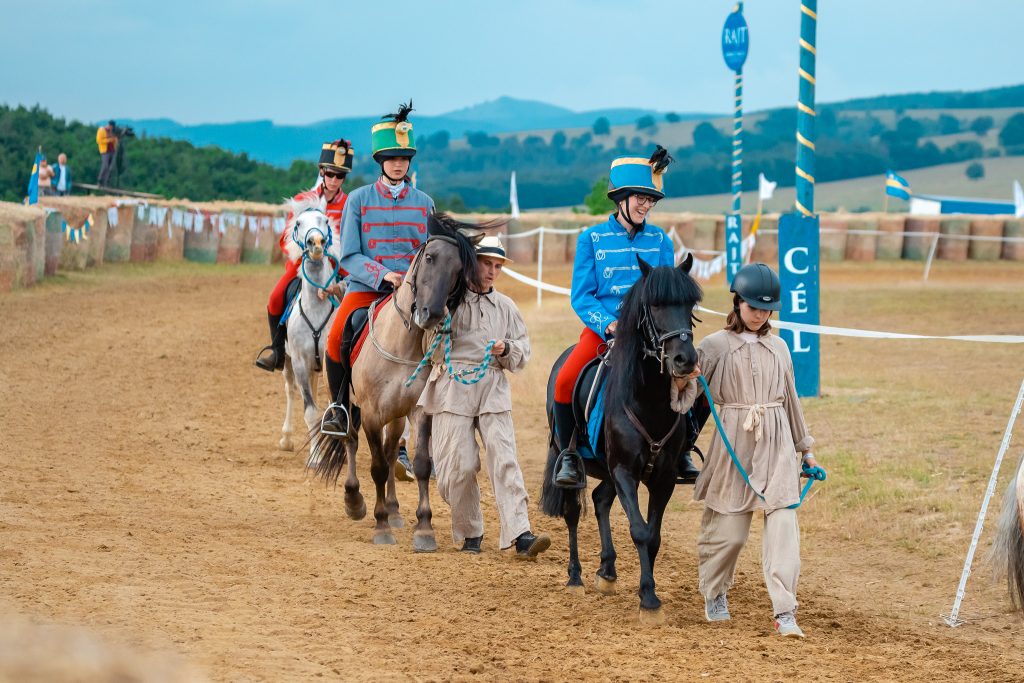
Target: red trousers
pixel 351 302
pixel 585 351
pixel 277 303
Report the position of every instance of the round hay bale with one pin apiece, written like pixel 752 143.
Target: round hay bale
pixel 258 242
pixel 72 256
pixel 986 250
pixel 953 249
pixel 229 248
pixel 170 237
pixel 889 245
pixel 118 247
pixel 522 249
pixel 1013 251
pixel 683 225
pixel 36 251
pixel 146 233
pixel 97 242
pixel 54 242
pixel 704 228
pixel 766 243
pixel 916 247
pixel 720 233
pixel 862 247
pixel 833 236
pixel 201 240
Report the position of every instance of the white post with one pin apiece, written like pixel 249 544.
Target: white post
pixel 540 263
pixel 931 255
pixel 952 618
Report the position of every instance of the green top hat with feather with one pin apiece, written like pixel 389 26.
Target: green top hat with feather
pixel 392 137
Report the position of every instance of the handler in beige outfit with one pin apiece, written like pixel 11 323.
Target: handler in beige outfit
pixel 750 374
pixel 460 409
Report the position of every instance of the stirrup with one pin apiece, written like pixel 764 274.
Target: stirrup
pixel 580 470
pixel 332 410
pixel 685 481
pixel 259 357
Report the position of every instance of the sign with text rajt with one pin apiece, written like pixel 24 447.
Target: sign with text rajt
pixel 798 272
pixel 735 40
pixel 733 246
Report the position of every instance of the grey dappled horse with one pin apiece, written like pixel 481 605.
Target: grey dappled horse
pixel 310 317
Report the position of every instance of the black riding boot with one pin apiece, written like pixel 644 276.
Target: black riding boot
pixel 275 359
pixel 685 469
pixel 337 382
pixel 568 474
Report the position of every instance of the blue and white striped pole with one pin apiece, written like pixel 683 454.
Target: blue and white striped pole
pixel 799 237
pixel 735 45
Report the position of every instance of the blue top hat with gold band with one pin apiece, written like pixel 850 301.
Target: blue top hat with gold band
pixel 637 175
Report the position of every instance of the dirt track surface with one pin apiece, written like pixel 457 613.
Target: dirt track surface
pixel 143 497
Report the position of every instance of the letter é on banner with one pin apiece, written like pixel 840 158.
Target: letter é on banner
pixel 798 271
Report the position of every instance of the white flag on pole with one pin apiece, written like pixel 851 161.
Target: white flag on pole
pixel 765 187
pixel 513 196
pixel 1018 200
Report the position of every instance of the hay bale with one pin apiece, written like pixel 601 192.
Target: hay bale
pixel 985 250
pixel 201 240
pixel 36 251
pixel 916 247
pixel 704 228
pixel 889 245
pixel 74 256
pixel 258 244
pixel 21 228
pixel 522 249
pixel 54 242
pixel 146 233
pixel 953 249
pixel 719 233
pixel 170 237
pixel 683 224
pixel 229 248
pixel 118 247
pixel 1013 251
pixel 862 247
pixel 766 244
pixel 833 236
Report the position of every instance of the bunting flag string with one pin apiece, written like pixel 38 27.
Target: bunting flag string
pixel 76 235
pixel 112 217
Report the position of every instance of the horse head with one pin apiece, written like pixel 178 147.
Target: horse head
pixel 443 269
pixel 660 307
pixel 311 230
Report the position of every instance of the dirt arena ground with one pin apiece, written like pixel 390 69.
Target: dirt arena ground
pixel 143 499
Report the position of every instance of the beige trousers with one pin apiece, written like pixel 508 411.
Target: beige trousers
pixel 456 458
pixel 721 539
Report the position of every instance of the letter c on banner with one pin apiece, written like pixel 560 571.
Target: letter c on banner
pixel 790 266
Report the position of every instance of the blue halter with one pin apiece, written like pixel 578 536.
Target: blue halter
pixel 327 240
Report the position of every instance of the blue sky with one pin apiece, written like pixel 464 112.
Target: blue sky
pixel 227 60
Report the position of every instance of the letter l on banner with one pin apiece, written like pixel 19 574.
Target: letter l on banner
pixel 798 270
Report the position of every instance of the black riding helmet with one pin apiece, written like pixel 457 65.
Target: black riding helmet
pixel 759 286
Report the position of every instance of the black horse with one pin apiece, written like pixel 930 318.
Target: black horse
pixel 653 351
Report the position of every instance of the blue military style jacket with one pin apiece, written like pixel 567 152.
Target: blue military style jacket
pixel 605 268
pixel 379 233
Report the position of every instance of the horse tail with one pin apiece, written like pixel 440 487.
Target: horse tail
pixel 328 455
pixel 553 498
pixel 1008 549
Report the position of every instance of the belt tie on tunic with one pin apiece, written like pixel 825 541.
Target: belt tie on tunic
pixel 754 422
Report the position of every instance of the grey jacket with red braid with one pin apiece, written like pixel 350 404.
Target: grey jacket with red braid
pixel 379 233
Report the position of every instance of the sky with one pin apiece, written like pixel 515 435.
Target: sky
pixel 202 61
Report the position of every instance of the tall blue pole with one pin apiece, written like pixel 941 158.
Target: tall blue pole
pixel 805 115
pixel 735 45
pixel 737 138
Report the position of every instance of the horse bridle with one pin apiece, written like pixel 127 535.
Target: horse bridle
pixel 652 343
pixel 411 279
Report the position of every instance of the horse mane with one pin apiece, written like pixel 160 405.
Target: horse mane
pixel 465 236
pixel 304 202
pixel 662 286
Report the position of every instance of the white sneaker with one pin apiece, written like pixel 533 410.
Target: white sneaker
pixel 785 624
pixel 717 609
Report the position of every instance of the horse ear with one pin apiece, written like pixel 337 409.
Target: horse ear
pixel 687 263
pixel 474 236
pixel 645 267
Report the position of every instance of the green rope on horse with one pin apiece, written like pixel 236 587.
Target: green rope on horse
pixel 479 371
pixel 445 332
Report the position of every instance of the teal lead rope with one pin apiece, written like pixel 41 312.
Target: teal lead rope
pixel 813 473
pixel 445 332
pixel 476 373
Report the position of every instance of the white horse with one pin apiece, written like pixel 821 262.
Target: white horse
pixel 310 316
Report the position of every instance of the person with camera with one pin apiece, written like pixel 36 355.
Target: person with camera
pixel 106 141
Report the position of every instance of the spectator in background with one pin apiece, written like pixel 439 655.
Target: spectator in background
pixel 45 178
pixel 106 141
pixel 62 177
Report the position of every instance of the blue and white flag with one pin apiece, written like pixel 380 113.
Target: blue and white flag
pixel 33 180
pixel 895 186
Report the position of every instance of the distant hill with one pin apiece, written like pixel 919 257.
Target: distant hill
pixel 1010 96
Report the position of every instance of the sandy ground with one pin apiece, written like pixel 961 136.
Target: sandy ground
pixel 144 499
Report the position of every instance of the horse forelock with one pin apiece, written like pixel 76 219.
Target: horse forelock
pixel 301 207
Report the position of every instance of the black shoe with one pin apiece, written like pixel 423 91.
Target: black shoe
pixel 529 546
pixel 472 545
pixel 275 359
pixel 567 475
pixel 335 420
pixel 686 471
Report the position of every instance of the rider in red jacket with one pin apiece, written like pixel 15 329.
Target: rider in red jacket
pixel 335 164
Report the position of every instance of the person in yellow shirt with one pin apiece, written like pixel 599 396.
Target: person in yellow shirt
pixel 106 141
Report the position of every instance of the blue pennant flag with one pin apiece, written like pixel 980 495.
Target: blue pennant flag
pixel 895 186
pixel 33 180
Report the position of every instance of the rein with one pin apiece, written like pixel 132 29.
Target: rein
pixel 654 446
pixel 316 331
pixel 653 344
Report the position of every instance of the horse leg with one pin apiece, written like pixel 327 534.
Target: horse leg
pixel 423 539
pixel 603 497
pixel 571 511
pixel 627 489
pixel 285 444
pixel 380 468
pixel 355 506
pixel 392 435
pixel 304 379
pixel 659 493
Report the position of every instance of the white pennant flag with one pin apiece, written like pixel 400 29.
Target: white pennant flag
pixel 1018 200
pixel 513 196
pixel 765 187
pixel 112 217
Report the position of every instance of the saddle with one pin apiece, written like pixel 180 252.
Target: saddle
pixel 356 331
pixel 291 293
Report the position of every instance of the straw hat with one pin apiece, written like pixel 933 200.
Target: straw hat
pixel 491 246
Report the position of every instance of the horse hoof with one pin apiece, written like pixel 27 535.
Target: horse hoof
pixel 356 513
pixel 603 585
pixel 576 591
pixel 383 538
pixel 424 542
pixel 285 444
pixel 652 617
pixel 396 521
